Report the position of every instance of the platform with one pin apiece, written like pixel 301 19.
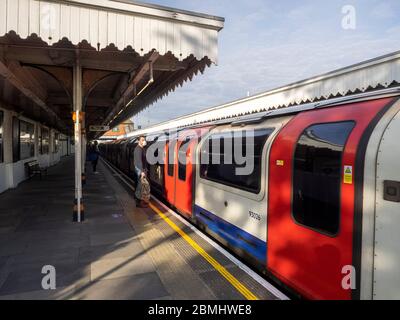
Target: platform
pixel 119 252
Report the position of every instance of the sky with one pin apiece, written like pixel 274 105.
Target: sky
pixel 266 44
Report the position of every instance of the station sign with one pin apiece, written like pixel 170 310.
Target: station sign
pixel 99 128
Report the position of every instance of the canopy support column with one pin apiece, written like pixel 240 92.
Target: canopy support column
pixel 78 215
pixel 84 143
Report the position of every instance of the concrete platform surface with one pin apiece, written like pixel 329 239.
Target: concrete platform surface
pixel 118 252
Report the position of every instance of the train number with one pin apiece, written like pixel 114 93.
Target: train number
pixel 254 215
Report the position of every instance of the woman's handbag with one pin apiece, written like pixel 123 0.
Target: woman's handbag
pixel 143 190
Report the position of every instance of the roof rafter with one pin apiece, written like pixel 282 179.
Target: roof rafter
pixel 19 78
pixel 138 76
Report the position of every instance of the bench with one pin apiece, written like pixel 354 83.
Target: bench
pixel 34 169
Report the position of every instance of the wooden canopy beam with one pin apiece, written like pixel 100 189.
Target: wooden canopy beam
pixel 138 76
pixel 19 78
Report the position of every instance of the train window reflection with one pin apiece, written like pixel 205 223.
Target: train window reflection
pixel 222 163
pixel 317 175
pixel 182 159
pixel 170 160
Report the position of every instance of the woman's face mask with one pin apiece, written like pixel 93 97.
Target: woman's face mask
pixel 144 143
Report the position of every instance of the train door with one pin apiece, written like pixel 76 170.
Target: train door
pixel 156 170
pixel 124 157
pixel 386 273
pixel 169 170
pixel 183 176
pixel 129 154
pixel 132 144
pixel 312 198
pixel 178 174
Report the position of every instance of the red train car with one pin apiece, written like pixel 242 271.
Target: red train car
pixel 319 211
pixel 179 168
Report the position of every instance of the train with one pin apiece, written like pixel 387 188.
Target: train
pixel 320 211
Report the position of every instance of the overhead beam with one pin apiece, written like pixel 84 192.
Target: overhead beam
pixel 28 79
pixel 13 74
pixel 139 75
pixel 163 86
pixel 98 102
pixel 121 85
pixel 62 75
pixel 104 61
pixel 159 65
pixel 91 78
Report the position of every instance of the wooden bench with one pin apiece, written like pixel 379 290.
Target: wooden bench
pixel 34 169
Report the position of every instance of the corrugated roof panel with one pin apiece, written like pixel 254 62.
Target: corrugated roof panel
pixel 102 23
pixel 3 22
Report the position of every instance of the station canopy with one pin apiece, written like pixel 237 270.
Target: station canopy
pixel 131 54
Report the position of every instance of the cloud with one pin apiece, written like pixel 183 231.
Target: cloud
pixel 256 57
pixel 300 12
pixel 383 10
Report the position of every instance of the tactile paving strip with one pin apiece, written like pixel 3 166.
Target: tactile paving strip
pixel 207 272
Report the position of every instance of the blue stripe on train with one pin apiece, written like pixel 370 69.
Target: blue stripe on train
pixel 235 236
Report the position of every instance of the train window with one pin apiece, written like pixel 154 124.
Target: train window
pixel 182 159
pixel 1 136
pixel 44 141
pixel 153 148
pixel 26 140
pixel 170 161
pixel 221 164
pixel 317 176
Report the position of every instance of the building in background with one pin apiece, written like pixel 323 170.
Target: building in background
pixel 123 128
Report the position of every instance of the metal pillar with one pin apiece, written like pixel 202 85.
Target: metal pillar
pixel 78 215
pixel 84 143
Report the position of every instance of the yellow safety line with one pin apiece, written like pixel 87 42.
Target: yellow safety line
pixel 217 266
